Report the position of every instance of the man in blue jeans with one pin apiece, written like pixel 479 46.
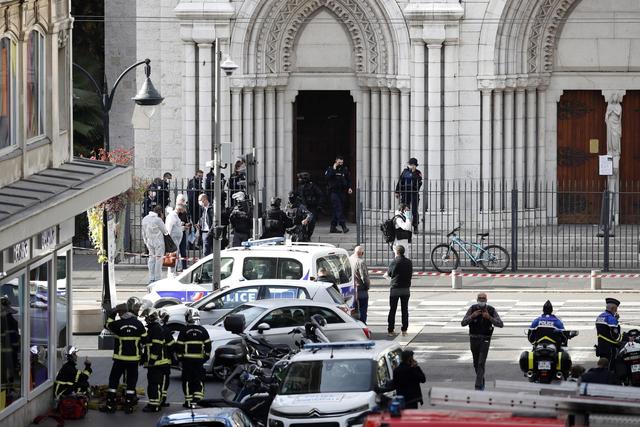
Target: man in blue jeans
pixel 400 272
pixel 362 283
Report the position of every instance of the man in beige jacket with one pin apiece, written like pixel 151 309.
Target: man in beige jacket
pixel 362 283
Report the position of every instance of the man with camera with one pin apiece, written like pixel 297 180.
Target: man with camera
pixel 339 185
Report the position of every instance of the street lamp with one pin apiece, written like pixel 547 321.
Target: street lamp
pixel 228 67
pixel 147 96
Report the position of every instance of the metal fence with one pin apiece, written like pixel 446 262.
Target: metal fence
pixel 544 226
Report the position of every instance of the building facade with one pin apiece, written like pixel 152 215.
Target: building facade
pixel 42 188
pixel 511 91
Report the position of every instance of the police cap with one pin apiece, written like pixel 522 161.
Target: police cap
pixel 413 161
pixel 612 301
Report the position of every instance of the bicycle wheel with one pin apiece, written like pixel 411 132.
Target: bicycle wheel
pixel 495 259
pixel 444 258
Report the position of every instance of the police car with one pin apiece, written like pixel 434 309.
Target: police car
pixel 220 302
pixel 334 383
pixel 260 259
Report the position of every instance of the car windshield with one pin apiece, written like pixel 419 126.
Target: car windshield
pixel 250 313
pixel 328 376
pixel 203 301
pixel 335 294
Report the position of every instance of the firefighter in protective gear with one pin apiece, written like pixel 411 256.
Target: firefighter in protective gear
pixel 163 315
pixel 70 379
pixel 128 334
pixel 609 334
pixel 547 328
pixel 193 348
pixel 155 359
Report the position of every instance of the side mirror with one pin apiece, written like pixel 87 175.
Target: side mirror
pixel 386 387
pixel 263 327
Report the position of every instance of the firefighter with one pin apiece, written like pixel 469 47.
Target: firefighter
pixel 608 330
pixel 155 359
pixel 70 379
pixel 171 344
pixel 193 348
pixel 128 334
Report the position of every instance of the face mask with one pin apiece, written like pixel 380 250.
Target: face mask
pixel 408 215
pixel 482 304
pixel 152 194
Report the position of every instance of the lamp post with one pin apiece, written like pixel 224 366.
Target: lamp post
pixel 147 96
pixel 228 67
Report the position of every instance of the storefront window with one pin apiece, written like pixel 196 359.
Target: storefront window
pixel 11 314
pixel 8 103
pixel 39 321
pixel 35 84
pixel 61 308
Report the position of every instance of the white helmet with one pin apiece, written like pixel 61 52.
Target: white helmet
pixel 239 196
pixel 192 316
pixel 71 351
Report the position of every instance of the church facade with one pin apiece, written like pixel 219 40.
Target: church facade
pixel 514 91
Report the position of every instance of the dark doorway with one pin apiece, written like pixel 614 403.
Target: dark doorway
pixel 324 126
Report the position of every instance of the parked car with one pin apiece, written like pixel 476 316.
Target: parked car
pixel 334 383
pixel 200 417
pixel 286 261
pixel 273 319
pixel 220 302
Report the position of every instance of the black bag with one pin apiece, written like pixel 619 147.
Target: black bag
pixel 388 229
pixel 169 245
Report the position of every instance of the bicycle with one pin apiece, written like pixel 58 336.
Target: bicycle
pixel 492 258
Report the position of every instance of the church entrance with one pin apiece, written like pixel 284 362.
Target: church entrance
pixel 324 126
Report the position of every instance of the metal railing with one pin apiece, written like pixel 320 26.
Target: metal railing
pixel 543 226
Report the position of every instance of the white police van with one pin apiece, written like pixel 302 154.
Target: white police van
pixel 334 383
pixel 259 259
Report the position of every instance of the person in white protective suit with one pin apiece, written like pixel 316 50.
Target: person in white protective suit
pixel 153 232
pixel 173 225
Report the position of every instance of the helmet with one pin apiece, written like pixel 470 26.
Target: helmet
pixel 547 308
pixel 71 352
pixel 293 196
pixel 304 177
pixel 192 316
pixel 34 350
pixel 239 196
pixel 163 315
pixel 5 305
pixel 276 202
pixel 151 316
pixel 133 305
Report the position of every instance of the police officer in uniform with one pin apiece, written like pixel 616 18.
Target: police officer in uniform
pixel 128 334
pixel 170 343
pixel 240 219
pixel 274 220
pixel 300 217
pixel 608 330
pixel 193 348
pixel 156 359
pixel 311 196
pixel 408 188
pixel 70 379
pixel 546 328
pixel 338 184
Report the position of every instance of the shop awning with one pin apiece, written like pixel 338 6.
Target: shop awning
pixel 53 195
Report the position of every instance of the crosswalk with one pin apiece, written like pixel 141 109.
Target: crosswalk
pixel 435 333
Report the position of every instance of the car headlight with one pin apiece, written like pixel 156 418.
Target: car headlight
pixel 276 423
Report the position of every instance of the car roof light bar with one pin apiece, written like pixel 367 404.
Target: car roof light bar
pixel 339 345
pixel 263 242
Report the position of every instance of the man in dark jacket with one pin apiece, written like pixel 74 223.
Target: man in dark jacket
pixel 275 221
pixel 193 348
pixel 311 196
pixel 400 272
pixel 164 195
pixel 300 217
pixel 240 219
pixel 205 224
pixel 156 359
pixel 338 185
pixel 601 374
pixel 194 189
pixel 481 319
pixel 407 378
pixel 208 185
pixel 408 188
pixel 609 333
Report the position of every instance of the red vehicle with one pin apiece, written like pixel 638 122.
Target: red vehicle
pixel 428 418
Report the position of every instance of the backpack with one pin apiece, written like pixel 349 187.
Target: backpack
pixel 388 229
pixel 73 407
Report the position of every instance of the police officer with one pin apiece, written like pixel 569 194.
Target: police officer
pixel 311 196
pixel 338 184
pixel 240 219
pixel 128 334
pixel 156 359
pixel 170 349
pixel 608 330
pixel 408 188
pixel 300 217
pixel 546 328
pixel 70 379
pixel 193 348
pixel 274 220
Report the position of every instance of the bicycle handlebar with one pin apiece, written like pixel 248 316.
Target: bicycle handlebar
pixel 454 231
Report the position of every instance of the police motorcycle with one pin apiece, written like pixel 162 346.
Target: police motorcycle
pixel 547 361
pixel 627 366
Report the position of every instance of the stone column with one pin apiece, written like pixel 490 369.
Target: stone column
pixel 509 163
pixel 486 149
pixel 189 113
pixel 405 126
pixel 375 144
pixel 366 137
pixel 434 81
pixel 258 135
pixel 205 102
pixel 530 157
pixel 418 107
pixel 519 137
pixel 497 176
pixel 225 95
pixel 288 143
pixel 247 119
pixel 396 158
pixel 280 95
pixel 236 122
pixel 270 140
pixel 385 146
pixel 542 132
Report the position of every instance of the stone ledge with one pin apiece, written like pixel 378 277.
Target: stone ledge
pixel 87 320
